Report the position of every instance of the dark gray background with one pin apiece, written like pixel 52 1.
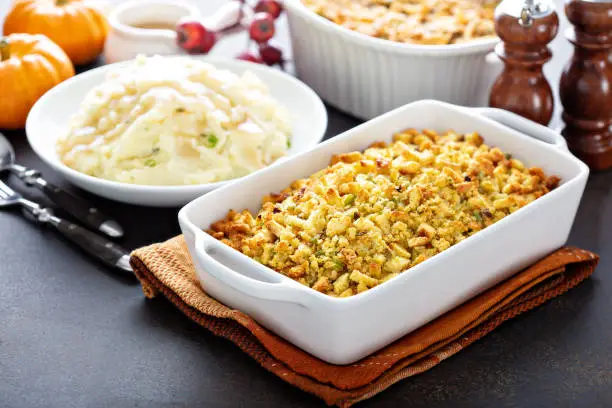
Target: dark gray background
pixel 74 335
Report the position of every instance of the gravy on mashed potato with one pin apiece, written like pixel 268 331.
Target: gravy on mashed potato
pixel 175 121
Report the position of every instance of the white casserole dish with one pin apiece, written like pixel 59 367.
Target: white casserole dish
pixel 367 76
pixel 343 330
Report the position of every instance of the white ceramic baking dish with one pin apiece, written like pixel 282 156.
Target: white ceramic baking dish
pixel 367 76
pixel 343 330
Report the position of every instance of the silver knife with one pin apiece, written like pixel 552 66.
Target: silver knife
pixel 92 243
pixel 77 207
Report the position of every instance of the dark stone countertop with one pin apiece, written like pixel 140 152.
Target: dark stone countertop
pixel 74 335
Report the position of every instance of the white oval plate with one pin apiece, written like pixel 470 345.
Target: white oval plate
pixel 49 119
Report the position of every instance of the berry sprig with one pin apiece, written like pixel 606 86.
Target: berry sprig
pixel 195 37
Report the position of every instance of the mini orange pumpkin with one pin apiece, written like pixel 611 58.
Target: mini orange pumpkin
pixel 30 65
pixel 77 26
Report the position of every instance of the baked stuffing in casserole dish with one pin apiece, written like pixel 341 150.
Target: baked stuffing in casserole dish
pixel 434 22
pixel 371 215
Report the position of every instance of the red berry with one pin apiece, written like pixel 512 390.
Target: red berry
pixel 262 27
pixel 194 38
pixel 247 56
pixel 270 54
pixel 271 7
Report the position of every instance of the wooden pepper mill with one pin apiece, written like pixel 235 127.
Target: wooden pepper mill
pixel 525 28
pixel 586 83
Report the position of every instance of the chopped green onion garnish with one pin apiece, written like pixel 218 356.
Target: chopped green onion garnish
pixel 288 143
pixel 477 216
pixel 349 199
pixel 150 163
pixel 210 140
pixel 508 156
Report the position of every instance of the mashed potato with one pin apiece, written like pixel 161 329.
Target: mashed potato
pixel 175 121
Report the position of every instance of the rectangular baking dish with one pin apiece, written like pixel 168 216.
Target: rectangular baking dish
pixel 344 330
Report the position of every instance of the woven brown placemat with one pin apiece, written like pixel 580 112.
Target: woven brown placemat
pixel 166 269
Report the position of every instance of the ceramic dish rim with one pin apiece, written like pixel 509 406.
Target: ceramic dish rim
pixel 442 50
pixel 125 29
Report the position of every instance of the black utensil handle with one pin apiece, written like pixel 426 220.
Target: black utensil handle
pixel 92 243
pixel 79 208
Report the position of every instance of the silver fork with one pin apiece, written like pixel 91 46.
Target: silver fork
pixel 76 206
pixel 92 243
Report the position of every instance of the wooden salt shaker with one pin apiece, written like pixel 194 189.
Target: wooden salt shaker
pixel 586 83
pixel 525 28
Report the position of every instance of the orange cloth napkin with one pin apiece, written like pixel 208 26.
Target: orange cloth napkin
pixel 166 269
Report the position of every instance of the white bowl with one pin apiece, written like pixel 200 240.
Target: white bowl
pixel 49 118
pixel 343 330
pixel 368 76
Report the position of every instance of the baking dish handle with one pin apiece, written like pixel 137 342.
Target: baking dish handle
pixel 523 125
pixel 279 291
